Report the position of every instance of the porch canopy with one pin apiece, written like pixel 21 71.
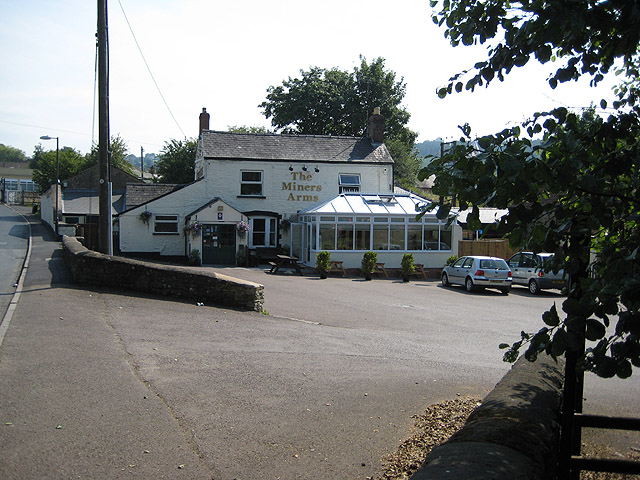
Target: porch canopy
pixel 353 223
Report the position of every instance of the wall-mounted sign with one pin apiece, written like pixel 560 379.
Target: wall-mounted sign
pixel 220 215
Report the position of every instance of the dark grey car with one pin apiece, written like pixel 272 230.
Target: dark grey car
pixel 533 271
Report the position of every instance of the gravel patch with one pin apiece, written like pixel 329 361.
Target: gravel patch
pixel 439 421
pixel 431 428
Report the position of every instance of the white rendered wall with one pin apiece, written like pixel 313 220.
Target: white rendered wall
pixel 136 236
pixel 288 192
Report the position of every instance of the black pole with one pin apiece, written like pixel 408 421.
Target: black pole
pixel 104 229
pixel 570 431
pixel 57 184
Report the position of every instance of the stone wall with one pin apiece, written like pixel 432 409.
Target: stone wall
pixel 514 433
pixel 93 268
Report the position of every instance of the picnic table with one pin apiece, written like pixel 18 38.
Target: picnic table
pixel 338 266
pixel 285 261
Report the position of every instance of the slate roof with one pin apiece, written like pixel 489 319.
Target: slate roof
pixel 87 202
pixel 139 193
pixel 291 148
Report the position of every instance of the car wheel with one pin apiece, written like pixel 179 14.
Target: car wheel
pixel 533 287
pixel 505 290
pixel 445 280
pixel 468 284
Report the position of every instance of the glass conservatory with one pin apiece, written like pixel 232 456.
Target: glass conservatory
pixel 352 223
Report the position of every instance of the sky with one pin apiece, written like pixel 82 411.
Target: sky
pixel 223 55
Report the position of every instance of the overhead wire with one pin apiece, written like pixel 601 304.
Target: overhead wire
pixel 149 69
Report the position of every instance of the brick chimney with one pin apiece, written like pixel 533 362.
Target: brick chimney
pixel 375 127
pixel 204 120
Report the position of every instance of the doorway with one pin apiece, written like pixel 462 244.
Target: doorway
pixel 218 244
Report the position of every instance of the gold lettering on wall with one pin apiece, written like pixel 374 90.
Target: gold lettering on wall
pixel 300 188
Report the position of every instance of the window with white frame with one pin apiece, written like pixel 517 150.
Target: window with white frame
pixel 263 232
pixel 348 183
pixel 165 224
pixel 251 183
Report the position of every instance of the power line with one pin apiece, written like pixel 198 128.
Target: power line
pixel 149 69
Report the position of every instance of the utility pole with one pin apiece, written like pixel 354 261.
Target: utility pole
pixel 141 163
pixel 105 223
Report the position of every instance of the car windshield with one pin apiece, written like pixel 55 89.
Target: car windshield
pixel 494 264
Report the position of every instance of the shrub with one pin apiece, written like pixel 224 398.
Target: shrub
pixel 369 260
pixel 323 264
pixel 194 257
pixel 407 266
pixel 451 259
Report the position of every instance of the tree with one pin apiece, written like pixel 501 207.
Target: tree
pixel 575 192
pixel 70 162
pixel 11 154
pixel 337 102
pixel 118 157
pixel 589 36
pixel 177 161
pixel 252 129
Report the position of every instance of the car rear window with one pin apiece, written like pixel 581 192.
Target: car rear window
pixel 494 264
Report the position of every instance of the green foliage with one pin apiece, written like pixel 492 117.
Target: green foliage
pixel 583 38
pixel 335 102
pixel 118 159
pixel 369 260
pixel 451 260
pixel 177 161
pixel 11 154
pixel 323 260
pixel 576 192
pixel 194 257
pixel 44 175
pixel 407 265
pixel 246 129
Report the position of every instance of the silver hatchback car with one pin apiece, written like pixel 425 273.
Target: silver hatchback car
pixel 476 272
pixel 529 270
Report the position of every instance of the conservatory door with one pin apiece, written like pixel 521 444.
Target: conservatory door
pixel 218 244
pixel 297 240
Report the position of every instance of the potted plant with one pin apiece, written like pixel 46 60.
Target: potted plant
pixel 242 228
pixel 369 260
pixel 323 263
pixel 407 266
pixel 451 260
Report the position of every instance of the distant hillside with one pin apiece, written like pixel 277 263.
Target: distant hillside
pixel 149 160
pixel 429 147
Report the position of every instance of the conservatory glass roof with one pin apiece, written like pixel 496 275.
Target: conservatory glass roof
pixel 370 204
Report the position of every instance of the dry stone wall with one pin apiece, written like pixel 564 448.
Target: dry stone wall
pixel 210 288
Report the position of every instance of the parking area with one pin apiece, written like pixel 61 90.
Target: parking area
pixel 323 384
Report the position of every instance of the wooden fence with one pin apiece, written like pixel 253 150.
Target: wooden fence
pixel 490 247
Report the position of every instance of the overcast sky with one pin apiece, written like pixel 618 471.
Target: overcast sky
pixel 223 55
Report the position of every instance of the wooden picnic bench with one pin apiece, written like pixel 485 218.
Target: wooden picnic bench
pixel 285 261
pixel 338 266
pixel 380 268
pixel 420 270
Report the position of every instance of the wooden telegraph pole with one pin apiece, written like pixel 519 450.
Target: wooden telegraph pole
pixel 105 222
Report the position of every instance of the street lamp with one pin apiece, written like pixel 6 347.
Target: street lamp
pixel 47 137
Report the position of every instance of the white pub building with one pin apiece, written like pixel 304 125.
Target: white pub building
pixel 264 193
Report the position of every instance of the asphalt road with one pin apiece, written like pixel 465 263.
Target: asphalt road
pixel 103 384
pixel 14 234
